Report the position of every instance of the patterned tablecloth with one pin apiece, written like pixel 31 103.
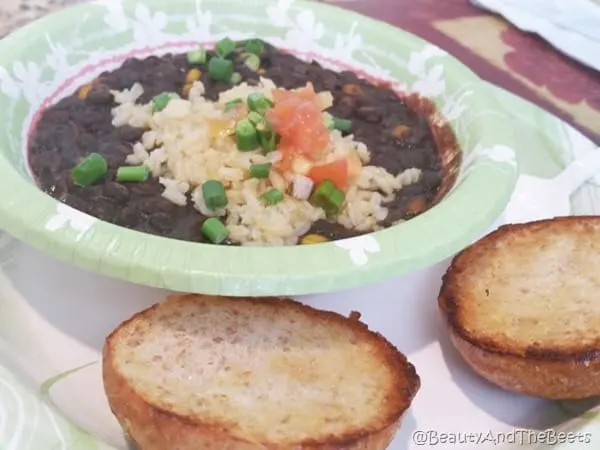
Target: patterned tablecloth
pixel 521 63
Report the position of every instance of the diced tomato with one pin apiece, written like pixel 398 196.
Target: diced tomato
pixel 297 118
pixel 336 172
pixel 306 93
pixel 354 167
pixel 341 172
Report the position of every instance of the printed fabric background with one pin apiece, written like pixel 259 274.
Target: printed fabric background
pixel 500 53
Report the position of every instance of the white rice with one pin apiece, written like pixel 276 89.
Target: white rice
pixel 139 156
pixel 175 190
pixel 189 143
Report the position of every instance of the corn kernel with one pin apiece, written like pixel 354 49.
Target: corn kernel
pixel 313 239
pixel 400 131
pixel 193 75
pixel 219 127
pixel 84 91
pixel 352 89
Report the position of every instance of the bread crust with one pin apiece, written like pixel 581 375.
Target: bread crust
pixel 153 428
pixel 569 372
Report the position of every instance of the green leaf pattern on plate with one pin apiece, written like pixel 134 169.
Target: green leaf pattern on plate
pixel 27 423
pixel 131 26
pixel 117 28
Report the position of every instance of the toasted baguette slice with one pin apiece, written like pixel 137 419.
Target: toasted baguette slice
pixel 201 372
pixel 523 307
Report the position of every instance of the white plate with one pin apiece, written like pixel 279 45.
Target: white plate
pixel 53 319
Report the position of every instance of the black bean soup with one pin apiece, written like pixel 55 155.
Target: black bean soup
pixel 397 137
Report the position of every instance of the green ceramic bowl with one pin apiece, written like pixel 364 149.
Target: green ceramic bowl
pixel 48 59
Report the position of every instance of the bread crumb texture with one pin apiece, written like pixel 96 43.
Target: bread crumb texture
pixel 264 370
pixel 528 287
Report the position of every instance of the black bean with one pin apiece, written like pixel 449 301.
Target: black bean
pixel 419 134
pixel 134 65
pixel 331 230
pixel 100 95
pixel 430 178
pixel 119 148
pixel 348 77
pixel 105 207
pixel 153 60
pixel 63 107
pixel 383 138
pixel 167 71
pixel 265 61
pixel 345 106
pixel 58 188
pixel 369 114
pixel 156 204
pixel 413 158
pixel 148 189
pixel 161 222
pixel 130 134
pixel 87 120
pixel 130 216
pixel 413 190
pixel 329 81
pixel 46 176
pixel 396 211
pixel 72 129
pixel 75 202
pixel 86 142
pixel 117 191
pixel 51 161
pixel 189 224
pixel 300 69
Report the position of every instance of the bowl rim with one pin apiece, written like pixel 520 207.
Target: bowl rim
pixel 461 217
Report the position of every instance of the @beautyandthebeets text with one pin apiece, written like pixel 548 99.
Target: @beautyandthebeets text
pixel 432 438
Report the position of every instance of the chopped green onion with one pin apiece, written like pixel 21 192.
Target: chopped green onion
pixel 342 125
pixel 255 118
pixel 214 230
pixel 236 78
pixel 254 46
pixel 161 101
pixel 329 198
pixel 220 69
pixel 259 103
pixel 214 195
pixel 263 126
pixel 246 137
pixel 197 56
pixel 272 197
pixel 224 47
pixel 260 170
pixel 232 104
pixel 252 62
pixel 90 170
pixel 329 122
pixel 133 174
pixel 267 140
